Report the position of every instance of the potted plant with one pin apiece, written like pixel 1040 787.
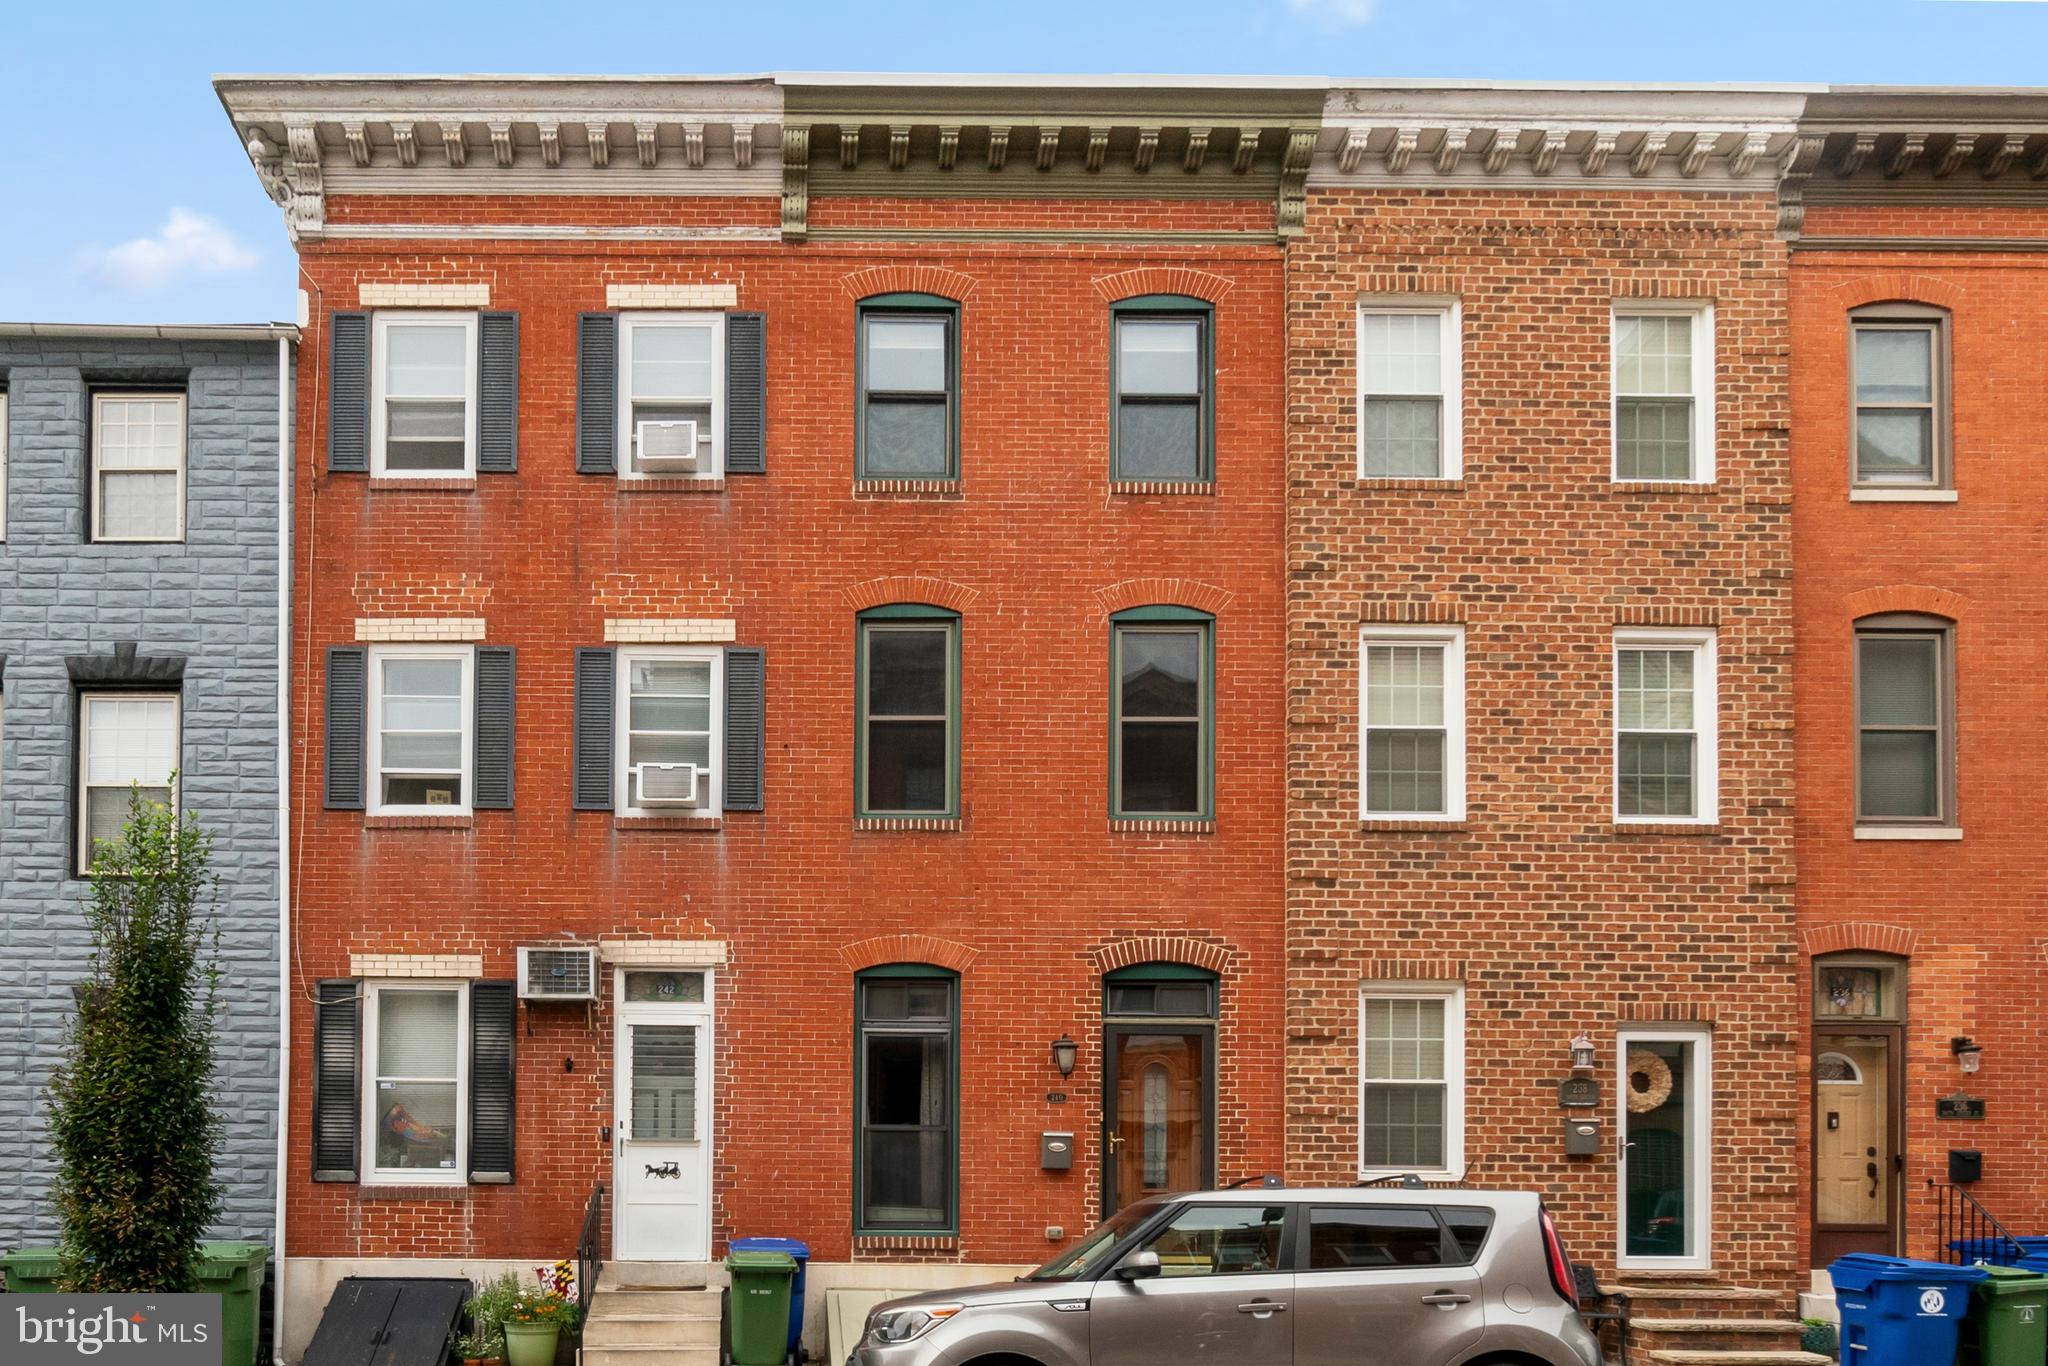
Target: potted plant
pixel 537 1318
pixel 485 1340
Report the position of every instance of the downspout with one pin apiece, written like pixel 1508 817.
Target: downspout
pixel 284 849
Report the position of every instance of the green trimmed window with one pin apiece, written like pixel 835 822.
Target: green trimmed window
pixel 908 377
pixel 907 1094
pixel 1162 713
pixel 1162 373
pixel 907 734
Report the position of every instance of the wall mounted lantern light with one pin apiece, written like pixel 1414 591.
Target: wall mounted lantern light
pixel 1969 1053
pixel 1064 1051
pixel 1583 1056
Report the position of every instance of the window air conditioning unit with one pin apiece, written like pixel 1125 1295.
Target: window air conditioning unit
pixel 666 784
pixel 666 447
pixel 557 974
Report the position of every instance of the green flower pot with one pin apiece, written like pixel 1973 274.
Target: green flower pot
pixel 531 1344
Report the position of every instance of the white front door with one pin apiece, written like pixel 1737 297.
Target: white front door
pixel 661 1179
pixel 1664 1140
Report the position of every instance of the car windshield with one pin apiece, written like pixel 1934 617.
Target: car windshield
pixel 1086 1255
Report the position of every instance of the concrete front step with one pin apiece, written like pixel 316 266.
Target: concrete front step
pixel 1736 1357
pixel 654 1301
pixel 651 1356
pixel 1707 1334
pixel 1702 1301
pixel 654 1276
pixel 650 1330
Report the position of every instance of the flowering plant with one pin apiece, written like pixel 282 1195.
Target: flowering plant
pixel 550 1301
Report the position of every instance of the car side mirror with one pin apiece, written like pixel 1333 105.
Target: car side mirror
pixel 1139 1266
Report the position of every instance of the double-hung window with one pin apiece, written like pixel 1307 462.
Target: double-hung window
pixel 672 404
pixel 1666 765
pixel 909 365
pixel 422 730
pixel 127 740
pixel 138 467
pixel 1412 723
pixel 1162 370
pixel 423 398
pixel 416 1079
pixel 908 690
pixel 1663 393
pixel 1900 398
pixel 1411 1078
pixel 1410 391
pixel 1905 723
pixel 1162 721
pixel 670 717
pixel 907 1095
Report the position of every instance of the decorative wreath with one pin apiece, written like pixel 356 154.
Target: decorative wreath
pixel 1649 1081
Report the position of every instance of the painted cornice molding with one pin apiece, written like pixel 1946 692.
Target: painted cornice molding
pixel 1521 137
pixel 312 137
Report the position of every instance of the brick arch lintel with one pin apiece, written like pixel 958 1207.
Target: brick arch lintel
pixel 880 592
pixel 1906 597
pixel 1132 284
pixel 947 284
pixel 1858 936
pixel 1162 948
pixel 1903 286
pixel 1125 594
pixel 907 948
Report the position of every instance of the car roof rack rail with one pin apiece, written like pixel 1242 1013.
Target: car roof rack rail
pixel 1269 1181
pixel 1409 1181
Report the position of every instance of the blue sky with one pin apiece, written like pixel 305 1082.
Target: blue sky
pixel 124 197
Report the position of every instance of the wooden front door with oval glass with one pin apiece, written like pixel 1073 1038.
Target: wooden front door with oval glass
pixel 1159 1066
pixel 1857 1128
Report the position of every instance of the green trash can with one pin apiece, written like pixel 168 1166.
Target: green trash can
pixel 2008 1321
pixel 234 1271
pixel 32 1270
pixel 760 1306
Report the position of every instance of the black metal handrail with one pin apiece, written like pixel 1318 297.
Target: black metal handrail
pixel 590 1249
pixel 1966 1232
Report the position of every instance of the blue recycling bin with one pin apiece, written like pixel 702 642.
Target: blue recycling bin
pixel 799 1250
pixel 1992 1251
pixel 2035 1261
pixel 1899 1312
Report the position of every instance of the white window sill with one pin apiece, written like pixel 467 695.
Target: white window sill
pixel 1909 832
pixel 1902 495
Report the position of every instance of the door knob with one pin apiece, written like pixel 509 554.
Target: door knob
pixel 1115 1141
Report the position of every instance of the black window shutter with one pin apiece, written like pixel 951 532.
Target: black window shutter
pixel 595 674
pixel 496 698
pixel 746 705
pixel 597 393
pixel 746 393
pixel 337 1035
pixel 497 370
pixel 348 676
pixel 348 393
pixel 493 1014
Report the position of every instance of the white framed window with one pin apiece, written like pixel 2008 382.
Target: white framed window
pixel 1663 381
pixel 416 1083
pixel 125 740
pixel 423 395
pixel 422 748
pixel 1411 723
pixel 670 712
pixel 138 467
pixel 1666 731
pixel 1410 389
pixel 673 368
pixel 1411 1070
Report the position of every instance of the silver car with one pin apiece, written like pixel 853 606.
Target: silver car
pixel 1340 1277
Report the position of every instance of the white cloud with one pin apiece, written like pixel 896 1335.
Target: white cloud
pixel 189 244
pixel 1334 14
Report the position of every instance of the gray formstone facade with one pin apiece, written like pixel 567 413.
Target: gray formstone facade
pixel 210 600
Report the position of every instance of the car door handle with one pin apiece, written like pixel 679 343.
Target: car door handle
pixel 1262 1307
pixel 1444 1299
